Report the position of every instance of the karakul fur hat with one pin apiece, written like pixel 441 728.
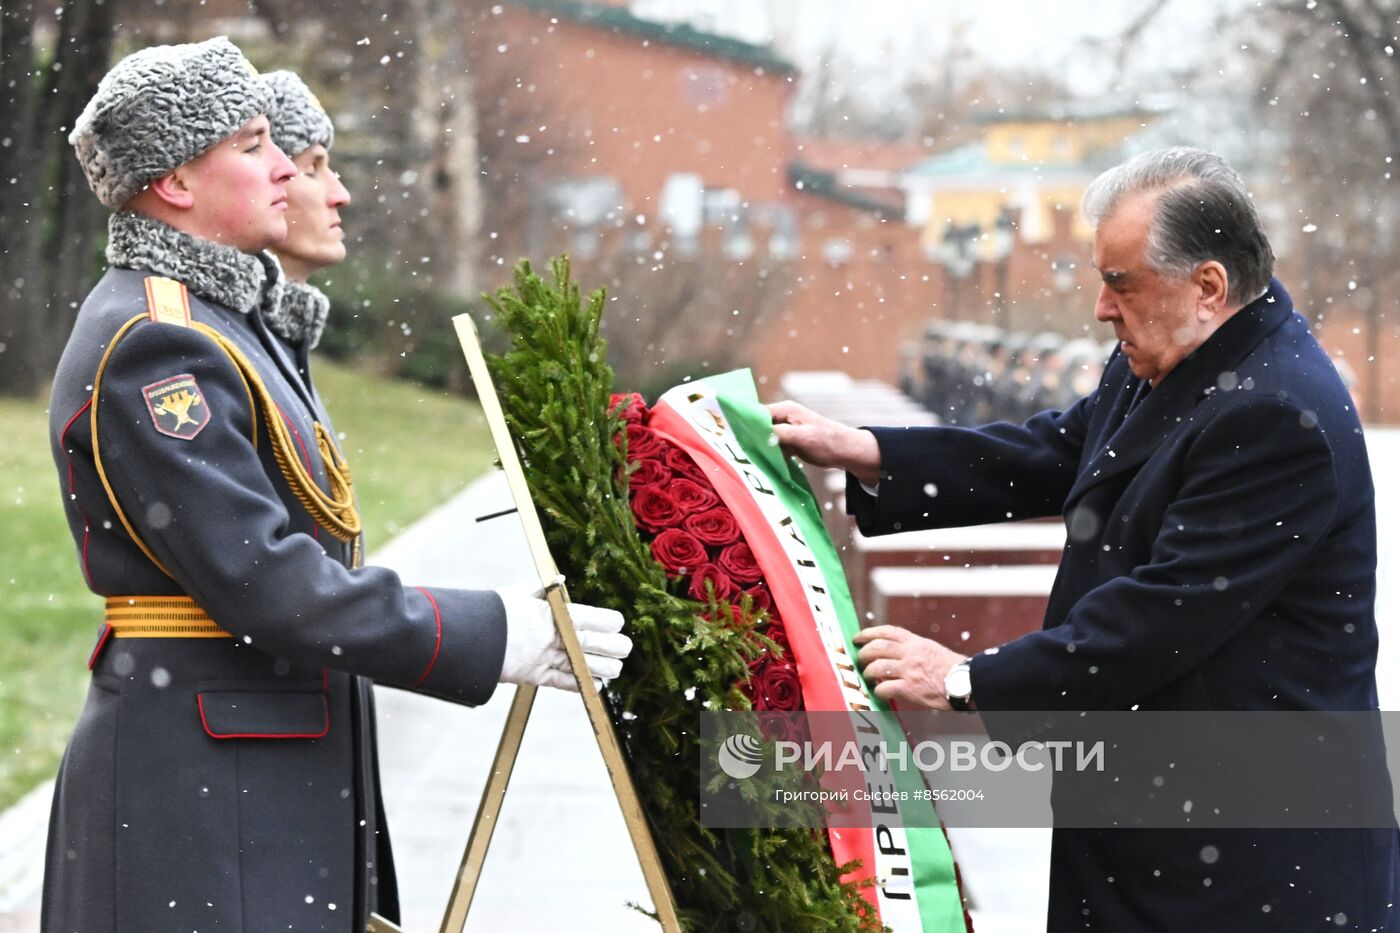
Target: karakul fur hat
pixel 298 119
pixel 160 107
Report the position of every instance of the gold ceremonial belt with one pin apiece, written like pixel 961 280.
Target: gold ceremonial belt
pixel 159 617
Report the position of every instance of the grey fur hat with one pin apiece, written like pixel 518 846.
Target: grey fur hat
pixel 160 107
pixel 298 119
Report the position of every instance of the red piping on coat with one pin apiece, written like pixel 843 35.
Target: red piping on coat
pixel 437 614
pixel 73 491
pixel 264 735
pixel 101 643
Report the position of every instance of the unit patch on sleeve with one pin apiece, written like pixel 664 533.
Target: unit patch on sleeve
pixel 177 407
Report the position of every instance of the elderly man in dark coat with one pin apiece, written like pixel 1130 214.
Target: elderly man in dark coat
pixel 1221 550
pixel 222 774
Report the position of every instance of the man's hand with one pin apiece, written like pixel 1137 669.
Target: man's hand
pixel 906 668
pixel 825 443
pixel 534 653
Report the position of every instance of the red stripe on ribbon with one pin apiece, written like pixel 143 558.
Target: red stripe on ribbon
pixel 821 691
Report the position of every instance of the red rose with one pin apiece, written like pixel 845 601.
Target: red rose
pixel 642 443
pixel 783 727
pixel 655 509
pixel 647 473
pixel 777 688
pixel 680 463
pixel 738 561
pixel 761 599
pixel 778 635
pixel 692 496
pixel 631 406
pixel 677 551
pixel 710 574
pixel 716 527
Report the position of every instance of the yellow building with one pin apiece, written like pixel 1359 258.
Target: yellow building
pixel 1032 165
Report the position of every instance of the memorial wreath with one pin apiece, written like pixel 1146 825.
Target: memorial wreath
pixel 685 517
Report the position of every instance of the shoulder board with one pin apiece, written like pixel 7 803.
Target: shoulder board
pixel 167 301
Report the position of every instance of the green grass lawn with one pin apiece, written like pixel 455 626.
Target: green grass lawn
pixel 409 448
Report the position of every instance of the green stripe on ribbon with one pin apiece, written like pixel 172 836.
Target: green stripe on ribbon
pixel 935 884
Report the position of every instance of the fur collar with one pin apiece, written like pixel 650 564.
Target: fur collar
pixel 301 314
pixel 242 282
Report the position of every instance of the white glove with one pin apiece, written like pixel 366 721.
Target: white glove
pixel 534 653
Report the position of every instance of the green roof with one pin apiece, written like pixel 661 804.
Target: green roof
pixel 682 35
pixel 972 160
pixel 823 184
pixel 1074 111
pixel 959 161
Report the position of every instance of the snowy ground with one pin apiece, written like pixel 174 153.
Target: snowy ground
pixel 560 829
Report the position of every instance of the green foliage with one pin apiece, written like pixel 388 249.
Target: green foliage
pixel 554 381
pixel 404 328
pixel 48 616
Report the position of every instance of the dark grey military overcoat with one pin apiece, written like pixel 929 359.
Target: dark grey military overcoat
pixel 226 783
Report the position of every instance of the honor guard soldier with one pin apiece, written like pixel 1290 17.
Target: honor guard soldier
pixel 302 129
pixel 222 774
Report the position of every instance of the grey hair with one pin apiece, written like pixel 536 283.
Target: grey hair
pixel 1204 213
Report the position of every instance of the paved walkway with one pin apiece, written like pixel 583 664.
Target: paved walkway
pixel 561 858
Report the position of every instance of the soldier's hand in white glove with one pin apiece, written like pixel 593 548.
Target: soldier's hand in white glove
pixel 534 653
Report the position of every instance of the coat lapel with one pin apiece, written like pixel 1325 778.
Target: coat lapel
pixel 1206 371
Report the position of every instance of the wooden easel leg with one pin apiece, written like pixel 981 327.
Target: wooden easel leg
pixel 454 920
pixel 488 814
pixel 626 791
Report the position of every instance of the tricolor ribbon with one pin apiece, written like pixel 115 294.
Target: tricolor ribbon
pixel 721 424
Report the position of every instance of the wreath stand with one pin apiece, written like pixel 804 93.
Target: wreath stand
pixel 493 796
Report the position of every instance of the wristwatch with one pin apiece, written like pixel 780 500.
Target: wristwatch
pixel 957 684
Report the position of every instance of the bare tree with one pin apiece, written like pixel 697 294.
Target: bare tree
pixel 395 77
pixel 832 104
pixel 1322 78
pixel 1327 70
pixel 681 315
pixel 946 106
pixel 77 220
pixel 52 224
pixel 20 170
pixel 515 160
